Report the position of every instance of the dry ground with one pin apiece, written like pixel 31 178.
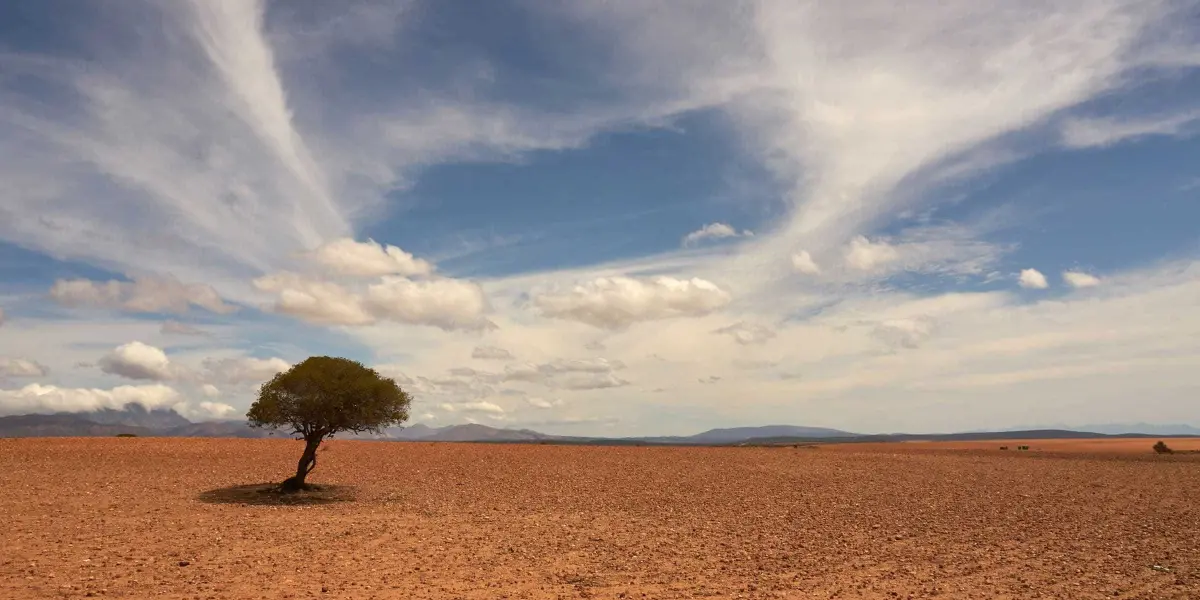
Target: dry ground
pixel 1073 446
pixel 146 518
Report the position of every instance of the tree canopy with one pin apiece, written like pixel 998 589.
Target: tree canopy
pixel 322 396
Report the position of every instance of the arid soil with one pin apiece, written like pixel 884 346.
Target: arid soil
pixel 1076 446
pixel 159 518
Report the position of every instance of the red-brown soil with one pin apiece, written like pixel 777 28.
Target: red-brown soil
pixel 148 518
pixel 1073 446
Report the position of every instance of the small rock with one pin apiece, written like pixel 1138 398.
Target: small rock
pixel 184 563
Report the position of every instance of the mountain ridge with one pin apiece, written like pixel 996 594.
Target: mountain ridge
pixel 136 420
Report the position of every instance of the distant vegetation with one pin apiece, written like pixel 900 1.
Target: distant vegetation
pixel 323 396
pixel 126 435
pixel 1162 448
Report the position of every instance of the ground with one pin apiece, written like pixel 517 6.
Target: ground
pixel 166 518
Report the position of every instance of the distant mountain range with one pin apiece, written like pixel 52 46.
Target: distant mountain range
pixel 136 420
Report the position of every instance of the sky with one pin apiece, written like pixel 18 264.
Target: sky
pixel 608 218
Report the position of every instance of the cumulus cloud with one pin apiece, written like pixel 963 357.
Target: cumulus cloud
pixel 143 295
pixel 802 262
pixel 581 365
pixel 1033 279
pixel 210 390
pixel 449 304
pixel 904 333
pixel 136 360
pixel 713 231
pixel 444 303
pixel 205 410
pixel 747 333
pixel 472 407
pixel 864 255
pixel 589 381
pixel 35 398
pixel 1079 279
pixel 177 328
pixel 245 369
pixel 543 403
pixel 22 367
pixel 491 353
pixel 345 256
pixel 617 302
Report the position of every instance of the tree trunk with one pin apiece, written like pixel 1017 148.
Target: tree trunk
pixel 308 461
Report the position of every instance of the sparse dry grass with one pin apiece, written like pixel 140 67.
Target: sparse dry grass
pixel 115 518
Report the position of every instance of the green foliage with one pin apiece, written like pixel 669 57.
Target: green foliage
pixel 1162 448
pixel 324 395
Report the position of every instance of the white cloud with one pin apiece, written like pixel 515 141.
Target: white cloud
pixel 472 407
pixel 712 231
pixel 617 302
pixel 864 255
pixel 1079 279
pixel 802 262
pixel 490 353
pixel 368 259
pixel 35 398
pixel 22 367
pixel 143 295
pixel 904 333
pixel 315 301
pixel 1033 279
pixel 449 304
pixel 444 303
pixel 136 360
pixel 748 333
pixel 1107 131
pixel 544 403
pixel 244 370
pixel 177 328
pixel 581 365
pixel 589 381
pixel 210 390
pixel 205 411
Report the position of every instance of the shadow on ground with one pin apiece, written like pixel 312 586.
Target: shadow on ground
pixel 269 494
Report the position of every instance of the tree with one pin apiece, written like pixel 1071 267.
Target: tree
pixel 1162 448
pixel 323 396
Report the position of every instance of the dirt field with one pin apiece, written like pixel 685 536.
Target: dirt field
pixel 151 518
pixel 1079 446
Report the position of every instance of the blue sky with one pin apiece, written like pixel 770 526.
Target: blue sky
pixel 608 218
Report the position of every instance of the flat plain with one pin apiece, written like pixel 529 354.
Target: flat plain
pixel 165 518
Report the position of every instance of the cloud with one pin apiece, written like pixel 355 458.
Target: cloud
pixel 802 262
pixel 543 403
pixel 747 333
pixel 1 317
pixel 490 353
pixel 1108 131
pixel 1033 279
pixel 450 304
pixel 617 302
pixel 143 295
pixel 712 231
pixel 580 365
pixel 589 381
pixel 210 390
pixel 1079 279
pixel 177 328
pixel 244 370
pixel 472 407
pixel 864 255
pixel 22 367
pixel 368 259
pixel 136 360
pixel 314 301
pixel 904 333
pixel 445 303
pixel 35 398
pixel 205 410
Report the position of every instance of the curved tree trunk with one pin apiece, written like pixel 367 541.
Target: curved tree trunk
pixel 308 462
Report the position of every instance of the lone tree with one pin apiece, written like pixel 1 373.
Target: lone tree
pixel 323 396
pixel 1162 448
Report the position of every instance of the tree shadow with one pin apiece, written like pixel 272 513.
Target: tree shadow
pixel 269 494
